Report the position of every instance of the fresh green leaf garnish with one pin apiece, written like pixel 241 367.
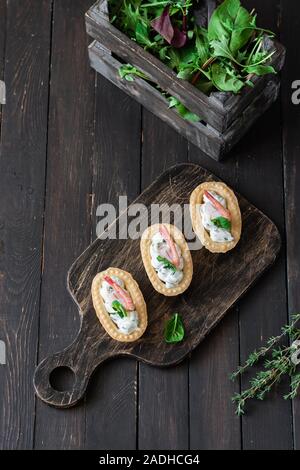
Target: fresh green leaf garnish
pixel 232 24
pixel 222 222
pixel 119 309
pixel 167 264
pixel 174 329
pixel 182 110
pixel 277 363
pixel 225 56
pixel 128 72
pixel 260 69
pixel 225 80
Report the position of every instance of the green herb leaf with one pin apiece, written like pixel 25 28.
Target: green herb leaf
pixel 277 363
pixel 182 110
pixel 174 329
pixel 202 45
pixel 222 222
pixel 224 56
pixel 260 69
pixel 128 72
pixel 224 80
pixel 142 34
pixel 119 309
pixel 232 24
pixel 167 264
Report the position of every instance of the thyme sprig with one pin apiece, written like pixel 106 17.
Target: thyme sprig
pixel 275 367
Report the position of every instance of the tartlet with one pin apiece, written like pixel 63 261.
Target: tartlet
pixel 196 200
pixel 187 270
pixel 137 297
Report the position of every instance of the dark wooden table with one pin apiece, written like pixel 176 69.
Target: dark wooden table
pixel 71 140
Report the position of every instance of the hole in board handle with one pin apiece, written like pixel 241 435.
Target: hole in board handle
pixel 62 379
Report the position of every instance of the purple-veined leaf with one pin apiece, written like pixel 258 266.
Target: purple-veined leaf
pixel 163 26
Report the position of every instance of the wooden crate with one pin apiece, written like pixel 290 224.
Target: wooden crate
pixel 225 117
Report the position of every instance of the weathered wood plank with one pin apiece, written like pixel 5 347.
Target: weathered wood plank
pixel 213 424
pixel 220 114
pixel 211 142
pixel 163 395
pixel 22 184
pixel 68 202
pixel 290 25
pixel 269 424
pixel 99 27
pixel 2 39
pixel 214 144
pixel 260 240
pixel 112 404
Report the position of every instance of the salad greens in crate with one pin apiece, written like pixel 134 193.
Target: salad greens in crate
pixel 224 55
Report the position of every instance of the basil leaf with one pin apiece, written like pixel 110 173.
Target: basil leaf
pixel 119 309
pixel 222 222
pixel 167 264
pixel 174 329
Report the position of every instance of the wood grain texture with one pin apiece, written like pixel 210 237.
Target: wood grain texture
pixel 211 411
pixel 260 241
pixel 22 170
pixel 116 162
pixel 211 109
pixel 100 28
pixel 290 24
pixel 214 144
pixel 144 406
pixel 165 426
pixel 67 218
pixel 265 312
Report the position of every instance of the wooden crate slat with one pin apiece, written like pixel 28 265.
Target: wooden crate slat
pixel 214 144
pixel 100 28
pixel 219 110
pixel 254 111
pixel 203 137
pixel 235 104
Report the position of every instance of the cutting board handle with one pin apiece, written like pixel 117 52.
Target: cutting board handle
pixel 81 357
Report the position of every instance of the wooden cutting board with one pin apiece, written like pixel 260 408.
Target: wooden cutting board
pixel 219 281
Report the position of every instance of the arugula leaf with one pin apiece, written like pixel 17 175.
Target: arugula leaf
pixel 142 34
pixel 224 56
pixel 222 222
pixel 131 15
pixel 202 45
pixel 127 72
pixel 224 80
pixel 167 264
pixel 119 309
pixel 221 49
pixel 174 329
pixel 182 110
pixel 260 69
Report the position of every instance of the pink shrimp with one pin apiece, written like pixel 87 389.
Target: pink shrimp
pixel 218 206
pixel 123 296
pixel 172 252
